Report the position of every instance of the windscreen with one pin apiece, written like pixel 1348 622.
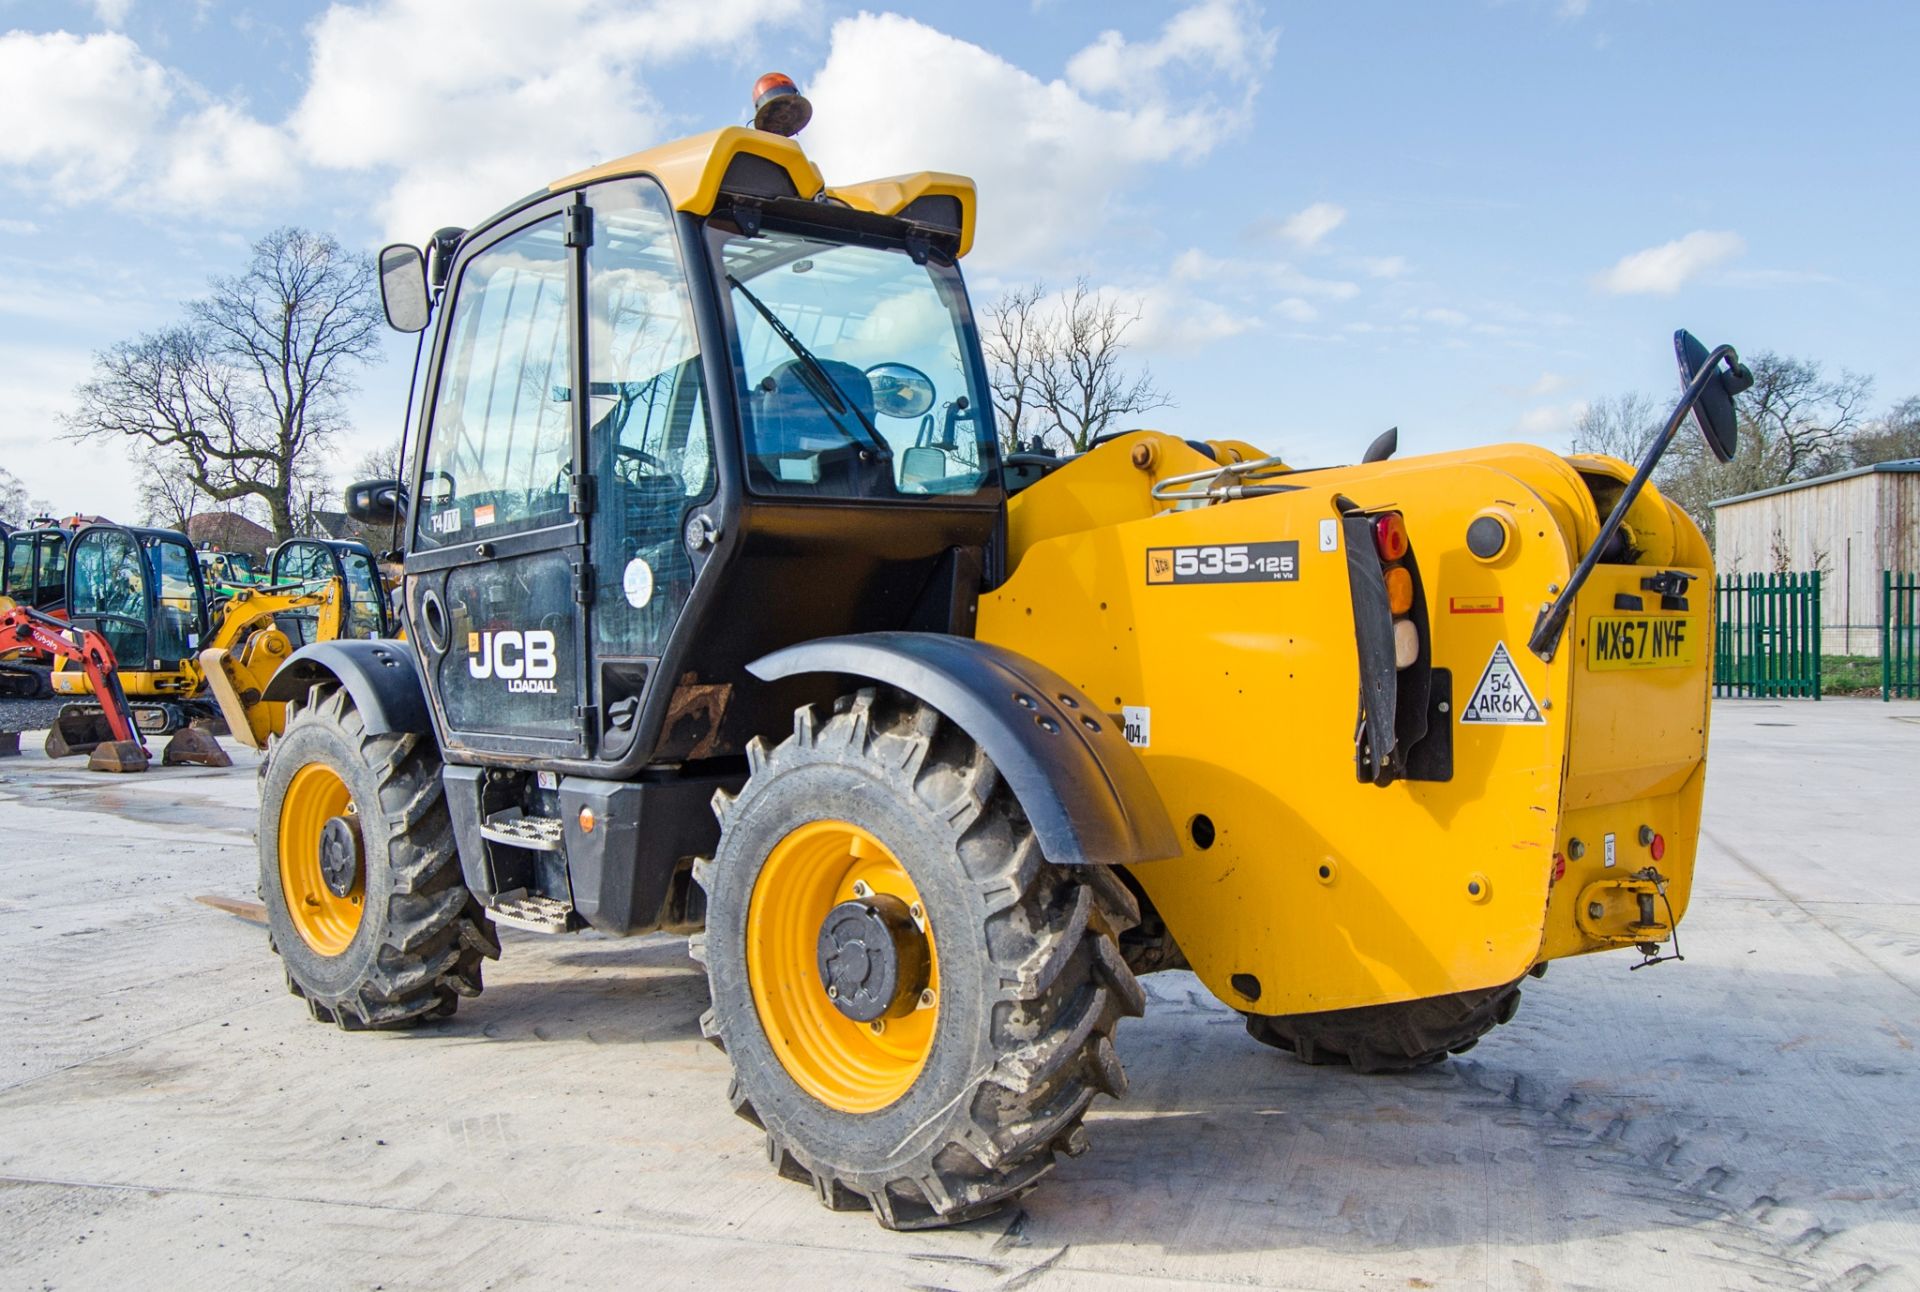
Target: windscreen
pixel 855 368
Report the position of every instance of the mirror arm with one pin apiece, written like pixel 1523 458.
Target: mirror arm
pixel 1545 641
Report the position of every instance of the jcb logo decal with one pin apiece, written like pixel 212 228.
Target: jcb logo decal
pixel 525 661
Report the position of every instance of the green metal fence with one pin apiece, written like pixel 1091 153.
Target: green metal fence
pixel 1899 635
pixel 1768 641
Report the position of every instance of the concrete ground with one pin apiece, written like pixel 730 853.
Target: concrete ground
pixel 1749 1119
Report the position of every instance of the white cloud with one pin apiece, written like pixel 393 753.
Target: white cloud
pixel 513 95
pixel 1306 228
pixel 1173 318
pixel 1572 9
pixel 1050 156
pixel 1550 423
pixel 94 117
pixel 1384 266
pixel 1548 383
pixel 80 108
pixel 19 228
pixel 1295 310
pixel 1442 316
pixel 1220 37
pixel 1194 264
pixel 112 13
pixel 1663 270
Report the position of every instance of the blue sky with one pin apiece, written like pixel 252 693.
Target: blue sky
pixel 1466 219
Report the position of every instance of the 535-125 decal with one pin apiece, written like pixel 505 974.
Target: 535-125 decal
pixel 1225 563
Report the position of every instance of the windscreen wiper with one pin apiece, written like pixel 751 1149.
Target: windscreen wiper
pixel 829 393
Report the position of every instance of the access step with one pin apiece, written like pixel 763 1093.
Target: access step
pixel 521 910
pixel 518 830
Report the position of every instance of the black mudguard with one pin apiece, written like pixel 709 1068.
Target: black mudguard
pixel 1082 786
pixel 381 676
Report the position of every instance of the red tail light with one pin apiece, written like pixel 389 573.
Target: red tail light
pixel 1390 536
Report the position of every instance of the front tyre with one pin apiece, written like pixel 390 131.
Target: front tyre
pixel 918 1007
pixel 359 873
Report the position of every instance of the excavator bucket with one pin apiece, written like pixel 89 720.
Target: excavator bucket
pixel 194 746
pixel 118 756
pixel 78 729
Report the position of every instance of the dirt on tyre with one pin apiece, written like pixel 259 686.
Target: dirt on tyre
pixel 1390 1038
pixel 359 873
pixel 918 1007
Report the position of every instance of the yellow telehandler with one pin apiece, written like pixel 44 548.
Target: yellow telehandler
pixel 726 614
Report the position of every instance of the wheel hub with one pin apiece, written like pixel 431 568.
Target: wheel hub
pixel 874 960
pixel 339 855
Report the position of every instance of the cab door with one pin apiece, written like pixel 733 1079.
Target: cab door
pixel 496 575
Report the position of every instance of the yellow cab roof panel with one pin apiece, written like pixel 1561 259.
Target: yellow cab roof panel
pixel 691 171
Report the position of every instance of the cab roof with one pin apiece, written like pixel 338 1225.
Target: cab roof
pixel 754 163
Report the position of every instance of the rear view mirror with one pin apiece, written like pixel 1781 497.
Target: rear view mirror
pixel 376 502
pixel 1713 411
pixel 922 466
pixel 403 287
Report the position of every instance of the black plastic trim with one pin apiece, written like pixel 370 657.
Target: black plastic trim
pixel 1081 784
pixel 382 677
pixel 622 872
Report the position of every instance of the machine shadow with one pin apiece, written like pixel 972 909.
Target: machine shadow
pixel 608 991
pixel 1226 1146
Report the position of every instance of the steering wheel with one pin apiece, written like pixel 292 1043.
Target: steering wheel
pixel 629 461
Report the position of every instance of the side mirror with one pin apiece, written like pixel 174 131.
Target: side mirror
pixel 403 287
pixel 1713 411
pixel 377 502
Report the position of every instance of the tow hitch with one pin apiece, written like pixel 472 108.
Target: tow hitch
pixel 1623 912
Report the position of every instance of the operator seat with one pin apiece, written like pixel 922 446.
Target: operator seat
pixel 797 445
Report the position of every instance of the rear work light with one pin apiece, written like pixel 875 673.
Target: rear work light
pixel 1390 536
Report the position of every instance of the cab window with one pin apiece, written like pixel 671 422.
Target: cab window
pixel 498 459
pixel 110 588
pixel 854 370
pixel 649 445
pixel 177 600
pixel 20 584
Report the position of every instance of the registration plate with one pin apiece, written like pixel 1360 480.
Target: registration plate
pixel 1640 641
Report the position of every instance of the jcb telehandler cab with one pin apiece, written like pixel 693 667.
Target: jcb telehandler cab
pixel 720 618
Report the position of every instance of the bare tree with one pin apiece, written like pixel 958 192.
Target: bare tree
pixel 248 389
pixel 1798 419
pixel 1891 438
pixel 1014 342
pixel 16 506
pixel 384 463
pixel 168 496
pixel 1620 426
pixel 1060 371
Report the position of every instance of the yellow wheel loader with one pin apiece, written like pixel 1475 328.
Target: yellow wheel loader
pixel 725 614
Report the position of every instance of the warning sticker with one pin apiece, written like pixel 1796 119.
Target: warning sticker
pixel 1501 697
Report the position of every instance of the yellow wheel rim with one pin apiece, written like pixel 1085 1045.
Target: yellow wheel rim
pixel 845 1064
pixel 325 922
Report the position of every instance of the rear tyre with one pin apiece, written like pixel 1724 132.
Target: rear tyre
pixel 359 873
pixel 1390 1038
pixel 961 1100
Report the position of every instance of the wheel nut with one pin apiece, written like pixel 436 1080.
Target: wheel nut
pixel 833 992
pixel 1595 910
pixel 860 888
pixel 926 999
pixel 878 1025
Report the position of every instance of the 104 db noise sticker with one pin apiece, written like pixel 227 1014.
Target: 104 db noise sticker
pixel 1501 698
